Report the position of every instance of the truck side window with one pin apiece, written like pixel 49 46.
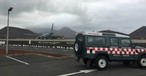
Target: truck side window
pixel 93 40
pixel 125 42
pixel 114 41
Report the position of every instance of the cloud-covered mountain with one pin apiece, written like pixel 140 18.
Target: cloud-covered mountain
pixel 140 33
pixel 66 32
pixel 17 33
pixel 20 33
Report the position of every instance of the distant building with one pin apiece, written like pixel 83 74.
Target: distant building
pixel 140 33
pixel 110 31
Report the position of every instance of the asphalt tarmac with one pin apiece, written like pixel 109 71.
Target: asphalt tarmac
pixel 45 66
pixel 63 51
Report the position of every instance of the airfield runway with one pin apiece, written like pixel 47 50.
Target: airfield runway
pixel 38 65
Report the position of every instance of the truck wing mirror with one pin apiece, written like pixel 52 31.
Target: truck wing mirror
pixel 132 45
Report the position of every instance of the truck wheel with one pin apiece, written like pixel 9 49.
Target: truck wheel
pixel 76 50
pixel 101 63
pixel 85 61
pixel 89 63
pixel 76 47
pixel 142 62
pixel 126 62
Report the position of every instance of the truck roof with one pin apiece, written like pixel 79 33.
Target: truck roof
pixel 103 34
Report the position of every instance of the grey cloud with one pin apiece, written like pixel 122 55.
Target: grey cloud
pixel 81 14
pixel 54 6
pixel 21 6
pixel 4 5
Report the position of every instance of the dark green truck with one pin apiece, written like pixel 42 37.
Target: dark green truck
pixel 97 48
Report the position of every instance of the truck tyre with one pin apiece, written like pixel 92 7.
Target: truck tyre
pixel 85 61
pixel 127 62
pixel 76 47
pixel 141 63
pixel 101 63
pixel 89 63
pixel 76 50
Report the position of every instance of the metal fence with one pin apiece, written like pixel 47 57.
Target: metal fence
pixel 62 43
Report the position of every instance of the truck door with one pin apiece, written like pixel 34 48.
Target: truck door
pixel 126 50
pixel 114 45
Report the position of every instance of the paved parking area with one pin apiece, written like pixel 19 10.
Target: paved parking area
pixel 38 66
pixel 44 66
pixel 62 51
pixel 48 66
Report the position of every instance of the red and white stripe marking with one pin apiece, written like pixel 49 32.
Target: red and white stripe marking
pixel 124 51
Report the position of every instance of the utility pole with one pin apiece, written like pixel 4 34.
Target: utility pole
pixel 7 41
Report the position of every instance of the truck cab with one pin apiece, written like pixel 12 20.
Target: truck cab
pixel 99 48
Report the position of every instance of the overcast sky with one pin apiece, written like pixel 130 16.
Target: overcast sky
pixel 80 15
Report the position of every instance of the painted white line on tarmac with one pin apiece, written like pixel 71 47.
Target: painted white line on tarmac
pixel 81 71
pixel 17 60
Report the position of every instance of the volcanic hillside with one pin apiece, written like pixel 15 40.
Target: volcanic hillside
pixel 17 33
pixel 139 33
